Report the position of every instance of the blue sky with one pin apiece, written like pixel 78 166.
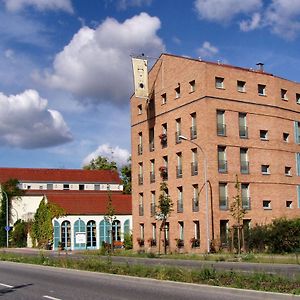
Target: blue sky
pixel 65 69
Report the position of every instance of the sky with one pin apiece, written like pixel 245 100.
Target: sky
pixel 66 75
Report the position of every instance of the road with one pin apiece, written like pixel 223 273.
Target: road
pixel 22 281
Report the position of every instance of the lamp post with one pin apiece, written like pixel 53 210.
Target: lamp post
pixel 7 225
pixel 181 137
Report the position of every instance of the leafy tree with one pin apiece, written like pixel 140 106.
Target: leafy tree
pixel 19 234
pixel 101 163
pixel 126 177
pixel 10 189
pixel 238 212
pixel 165 205
pixel 42 228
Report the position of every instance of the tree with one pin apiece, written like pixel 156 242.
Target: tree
pixel 10 189
pixel 42 228
pixel 126 177
pixel 101 163
pixel 110 216
pixel 238 212
pixel 165 205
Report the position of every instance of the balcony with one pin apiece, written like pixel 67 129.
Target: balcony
pixel 179 171
pixel 193 132
pixel 179 206
pixel 246 203
pixel 221 129
pixel 141 210
pixel 152 177
pixel 245 167
pixel 140 149
pixel 152 209
pixel 222 166
pixel 140 179
pixel 195 204
pixel 163 140
pixel 243 131
pixel 223 203
pixel 177 139
pixel 194 168
pixel 151 146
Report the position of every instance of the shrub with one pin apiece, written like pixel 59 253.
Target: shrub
pixel 19 234
pixel 127 241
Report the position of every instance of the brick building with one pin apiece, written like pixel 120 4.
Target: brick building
pixel 244 121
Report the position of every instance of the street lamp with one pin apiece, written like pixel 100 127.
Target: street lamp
pixel 7 225
pixel 181 137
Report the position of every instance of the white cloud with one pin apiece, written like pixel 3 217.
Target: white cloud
pixel 96 63
pixel 17 5
pixel 207 50
pixel 124 4
pixel 117 154
pixel 252 24
pixel 26 122
pixel 225 10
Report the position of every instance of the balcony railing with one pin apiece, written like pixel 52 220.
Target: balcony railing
pixel 195 204
pixel 141 210
pixel 221 129
pixel 140 149
pixel 179 206
pixel 179 171
pixel 223 203
pixel 152 177
pixel 140 179
pixel 243 130
pixel 193 131
pixel 222 166
pixel 246 203
pixel 177 139
pixel 151 146
pixel 152 209
pixel 245 167
pixel 194 168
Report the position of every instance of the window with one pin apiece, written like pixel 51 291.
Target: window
pixel 298 164
pixel 284 94
pixel 140 109
pixel 140 145
pixel 49 186
pixel 243 129
pixel 221 127
pixel 178 131
pixel 265 169
pixel 180 200
pixel 153 240
pixel 219 82
pixel 263 134
pixel 244 163
pixel 192 86
pixel 289 204
pixel 81 187
pixel 222 162
pixel 224 230
pixel 179 165
pixel 245 195
pixel 164 136
pixel 181 230
pixel 298 98
pixel 65 235
pixel 152 170
pixel 91 234
pixel 298 195
pixel 97 187
pixel 177 92
pixel 223 198
pixel 285 137
pixel 287 171
pixel 241 86
pixel 196 239
pixel 151 139
pixel 164 168
pixel 152 204
pixel 140 175
pixel 141 204
pixel 193 129
pixel 194 164
pixel 66 186
pixel 261 88
pixel 142 232
pixel 267 204
pixel 195 206
pixel 297 132
pixel 163 98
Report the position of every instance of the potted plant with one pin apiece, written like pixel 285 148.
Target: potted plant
pixel 152 242
pixel 140 241
pixel 179 243
pixel 195 243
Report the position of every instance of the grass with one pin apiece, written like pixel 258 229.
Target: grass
pixel 255 281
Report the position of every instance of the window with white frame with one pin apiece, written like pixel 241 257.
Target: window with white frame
pixel 177 92
pixel 263 134
pixel 283 93
pixel 267 204
pixel 289 204
pixel 287 171
pixel 261 88
pixel 181 230
pixel 265 169
pixel 241 86
pixel 285 137
pixel 219 82
pixel 163 98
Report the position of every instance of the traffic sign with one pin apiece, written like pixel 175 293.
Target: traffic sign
pixel 7 228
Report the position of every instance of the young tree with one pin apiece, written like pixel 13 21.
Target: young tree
pixel 165 205
pixel 101 163
pixel 110 216
pixel 238 212
pixel 126 177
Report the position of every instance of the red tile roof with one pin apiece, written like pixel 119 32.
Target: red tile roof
pixel 91 204
pixel 59 175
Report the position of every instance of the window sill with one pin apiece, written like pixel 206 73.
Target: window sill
pixel 267 208
pixel 265 140
pixel 263 95
pixel 283 99
pixel 220 88
pixel 266 173
pixel 244 92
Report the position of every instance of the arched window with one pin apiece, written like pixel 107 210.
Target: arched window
pixel 79 227
pixel 105 230
pixel 91 234
pixel 56 234
pixel 116 230
pixel 127 227
pixel 66 235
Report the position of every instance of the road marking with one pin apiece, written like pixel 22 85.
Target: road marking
pixel 6 285
pixel 51 298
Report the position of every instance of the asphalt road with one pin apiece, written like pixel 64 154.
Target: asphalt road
pixel 22 281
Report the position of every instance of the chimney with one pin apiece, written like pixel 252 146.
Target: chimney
pixel 260 66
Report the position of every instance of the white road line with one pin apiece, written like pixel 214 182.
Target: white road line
pixel 51 298
pixel 6 285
